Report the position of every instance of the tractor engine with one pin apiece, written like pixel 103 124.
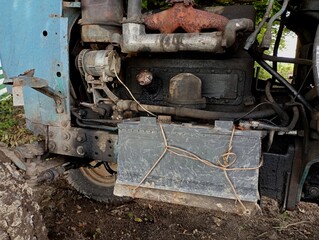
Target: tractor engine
pixel 168 104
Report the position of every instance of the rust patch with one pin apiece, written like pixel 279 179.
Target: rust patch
pixel 190 19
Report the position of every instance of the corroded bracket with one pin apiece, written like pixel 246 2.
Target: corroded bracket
pixel 41 86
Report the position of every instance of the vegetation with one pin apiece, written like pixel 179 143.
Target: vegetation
pixel 12 126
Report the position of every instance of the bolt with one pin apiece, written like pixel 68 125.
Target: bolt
pixel 51 146
pixel 314 192
pixel 59 110
pixel 79 138
pixel 66 136
pixel 64 123
pixel 80 150
pixel 51 134
pixel 66 148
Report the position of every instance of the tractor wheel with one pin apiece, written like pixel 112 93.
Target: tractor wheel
pixel 95 183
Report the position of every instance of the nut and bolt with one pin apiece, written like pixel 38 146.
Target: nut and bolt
pixel 80 150
pixel 66 148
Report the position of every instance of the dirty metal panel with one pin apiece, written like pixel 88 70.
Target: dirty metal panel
pixel 223 81
pixel 141 144
pixel 188 199
pixel 82 143
pixel 36 37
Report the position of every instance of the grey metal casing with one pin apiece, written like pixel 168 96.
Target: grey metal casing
pixel 140 144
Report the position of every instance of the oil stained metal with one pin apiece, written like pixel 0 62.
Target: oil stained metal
pixel 180 179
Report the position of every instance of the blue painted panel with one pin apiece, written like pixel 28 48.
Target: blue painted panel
pixel 34 35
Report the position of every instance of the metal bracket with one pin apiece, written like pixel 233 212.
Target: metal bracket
pixel 41 86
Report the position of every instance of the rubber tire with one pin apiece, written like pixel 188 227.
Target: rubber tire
pixel 81 183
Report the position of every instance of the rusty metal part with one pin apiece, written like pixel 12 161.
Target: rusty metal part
pixel 41 86
pixel 144 77
pixel 99 175
pixel 190 19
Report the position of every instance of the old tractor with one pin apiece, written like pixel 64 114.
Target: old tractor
pixel 168 104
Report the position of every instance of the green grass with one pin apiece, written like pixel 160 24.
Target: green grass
pixel 12 124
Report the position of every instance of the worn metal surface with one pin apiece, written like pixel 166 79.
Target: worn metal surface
pixel 274 173
pixel 41 43
pixel 223 81
pixel 144 77
pixel 296 175
pixel 186 17
pixel 185 89
pixel 135 39
pixel 107 12
pixel 99 63
pixel 82 143
pixel 179 174
pixel 186 2
pixel 188 199
pixel 101 33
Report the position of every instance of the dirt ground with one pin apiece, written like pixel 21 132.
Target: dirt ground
pixel 70 215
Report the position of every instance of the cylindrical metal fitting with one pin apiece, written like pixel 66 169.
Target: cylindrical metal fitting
pixel 99 63
pixel 186 90
pixel 134 10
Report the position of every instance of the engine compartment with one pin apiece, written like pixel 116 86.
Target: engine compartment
pixel 122 74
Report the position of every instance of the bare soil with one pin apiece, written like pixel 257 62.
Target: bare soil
pixel 70 215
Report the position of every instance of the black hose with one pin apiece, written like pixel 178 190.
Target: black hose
pixel 202 114
pixel 107 128
pixel 266 126
pixel 284 118
pixel 281 79
pixel 300 61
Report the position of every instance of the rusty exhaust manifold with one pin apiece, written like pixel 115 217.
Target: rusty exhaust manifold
pixel 135 38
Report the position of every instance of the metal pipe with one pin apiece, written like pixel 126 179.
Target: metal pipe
pixel 234 25
pixel 135 39
pixel 264 126
pixel 300 61
pixel 284 118
pixel 252 38
pixel 200 114
pixel 268 34
pixel 103 127
pixel 281 79
pixel 134 11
